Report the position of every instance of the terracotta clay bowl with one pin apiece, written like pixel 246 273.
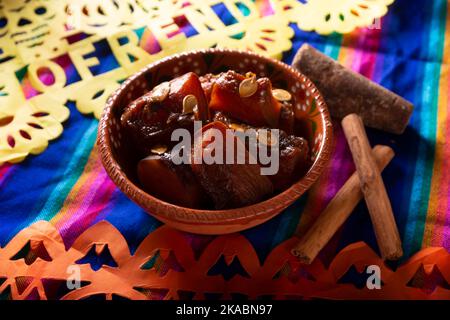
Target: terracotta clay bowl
pixel 119 160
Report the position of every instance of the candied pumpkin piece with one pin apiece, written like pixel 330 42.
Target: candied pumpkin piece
pixel 144 136
pixel 167 97
pixel 151 118
pixel 172 183
pixel 207 81
pixel 219 116
pixel 294 161
pixel 188 84
pixel 257 108
pixel 287 118
pixel 228 185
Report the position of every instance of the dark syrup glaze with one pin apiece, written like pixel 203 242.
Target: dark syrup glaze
pixel 150 120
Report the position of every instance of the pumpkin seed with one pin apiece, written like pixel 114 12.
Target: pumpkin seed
pixel 189 103
pixel 250 75
pixel 159 149
pixel 248 87
pixel 281 95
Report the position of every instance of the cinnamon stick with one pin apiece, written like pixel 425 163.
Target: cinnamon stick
pixel 373 188
pixel 337 211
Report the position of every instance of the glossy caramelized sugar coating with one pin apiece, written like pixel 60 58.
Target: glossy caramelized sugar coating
pixel 230 185
pixel 150 119
pixel 224 101
pixel 259 109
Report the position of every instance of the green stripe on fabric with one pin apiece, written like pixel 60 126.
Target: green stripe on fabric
pixel 73 171
pixel 429 104
pixel 333 46
pixel 289 221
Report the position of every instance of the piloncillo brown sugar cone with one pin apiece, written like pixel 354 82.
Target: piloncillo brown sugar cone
pixel 346 92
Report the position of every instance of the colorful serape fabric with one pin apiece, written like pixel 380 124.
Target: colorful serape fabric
pixel 68 186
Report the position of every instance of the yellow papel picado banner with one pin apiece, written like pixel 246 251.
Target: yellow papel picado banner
pixel 55 51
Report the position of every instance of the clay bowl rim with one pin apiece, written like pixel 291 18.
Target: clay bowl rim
pixel 159 208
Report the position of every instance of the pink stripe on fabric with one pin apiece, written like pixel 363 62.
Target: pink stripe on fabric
pixel 83 218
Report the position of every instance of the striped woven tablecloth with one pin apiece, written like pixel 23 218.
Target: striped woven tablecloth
pixel 67 185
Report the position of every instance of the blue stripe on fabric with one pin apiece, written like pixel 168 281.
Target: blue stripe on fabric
pixel 73 171
pixel 133 222
pixel 33 180
pixel 400 71
pixel 427 118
